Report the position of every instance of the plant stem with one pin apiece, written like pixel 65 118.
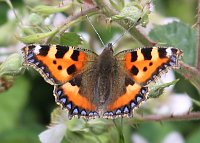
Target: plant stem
pixel 190 73
pixel 12 8
pixel 119 128
pixel 135 33
pixel 74 19
pixel 185 117
pixel 198 37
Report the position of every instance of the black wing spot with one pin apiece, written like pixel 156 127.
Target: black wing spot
pixel 75 55
pixel 31 47
pixel 76 81
pixel 59 67
pixel 71 69
pixel 147 53
pixel 129 81
pixel 145 69
pixel 134 56
pixel 162 52
pixel 134 70
pixel 44 50
pixel 150 64
pixel 54 62
pixel 61 50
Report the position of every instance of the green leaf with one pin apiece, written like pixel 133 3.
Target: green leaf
pixel 179 35
pixel 117 5
pixel 119 127
pixel 12 65
pixel 196 102
pixel 35 19
pixel 157 89
pixel 70 39
pixel 36 38
pixel 7 31
pixel 3 13
pixel 47 10
pixel 133 12
pixel 194 136
pixel 20 135
pixel 12 102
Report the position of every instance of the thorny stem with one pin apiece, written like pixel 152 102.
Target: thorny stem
pixel 188 116
pixel 190 73
pixel 198 45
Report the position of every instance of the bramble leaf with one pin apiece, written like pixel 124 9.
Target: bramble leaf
pixel 70 39
pixel 179 35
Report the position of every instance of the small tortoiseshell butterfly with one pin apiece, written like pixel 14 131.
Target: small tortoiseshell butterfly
pixel 105 85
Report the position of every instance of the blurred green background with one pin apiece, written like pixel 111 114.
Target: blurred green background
pixel 26 107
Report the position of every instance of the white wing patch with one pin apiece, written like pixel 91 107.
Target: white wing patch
pixel 37 49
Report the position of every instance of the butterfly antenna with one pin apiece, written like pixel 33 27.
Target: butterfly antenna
pixel 95 31
pixel 127 30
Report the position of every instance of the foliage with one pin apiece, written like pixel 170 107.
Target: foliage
pixel 180 35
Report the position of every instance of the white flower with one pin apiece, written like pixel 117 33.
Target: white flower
pixel 54 134
pixel 136 138
pixel 176 104
pixel 57 129
pixel 173 137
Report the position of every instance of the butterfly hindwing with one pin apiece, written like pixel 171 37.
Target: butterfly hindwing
pixel 69 97
pixel 128 100
pixel 145 64
pixel 57 64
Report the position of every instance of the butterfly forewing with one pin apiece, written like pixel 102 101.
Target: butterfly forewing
pixel 145 64
pixel 57 64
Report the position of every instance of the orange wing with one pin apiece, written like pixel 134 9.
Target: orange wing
pixel 145 64
pixel 141 67
pixel 57 64
pixel 69 97
pixel 124 105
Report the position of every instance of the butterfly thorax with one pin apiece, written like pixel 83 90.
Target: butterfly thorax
pixel 106 61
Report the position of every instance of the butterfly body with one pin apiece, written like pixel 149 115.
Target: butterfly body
pixel 105 85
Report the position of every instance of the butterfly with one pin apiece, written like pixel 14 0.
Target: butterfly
pixel 107 85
